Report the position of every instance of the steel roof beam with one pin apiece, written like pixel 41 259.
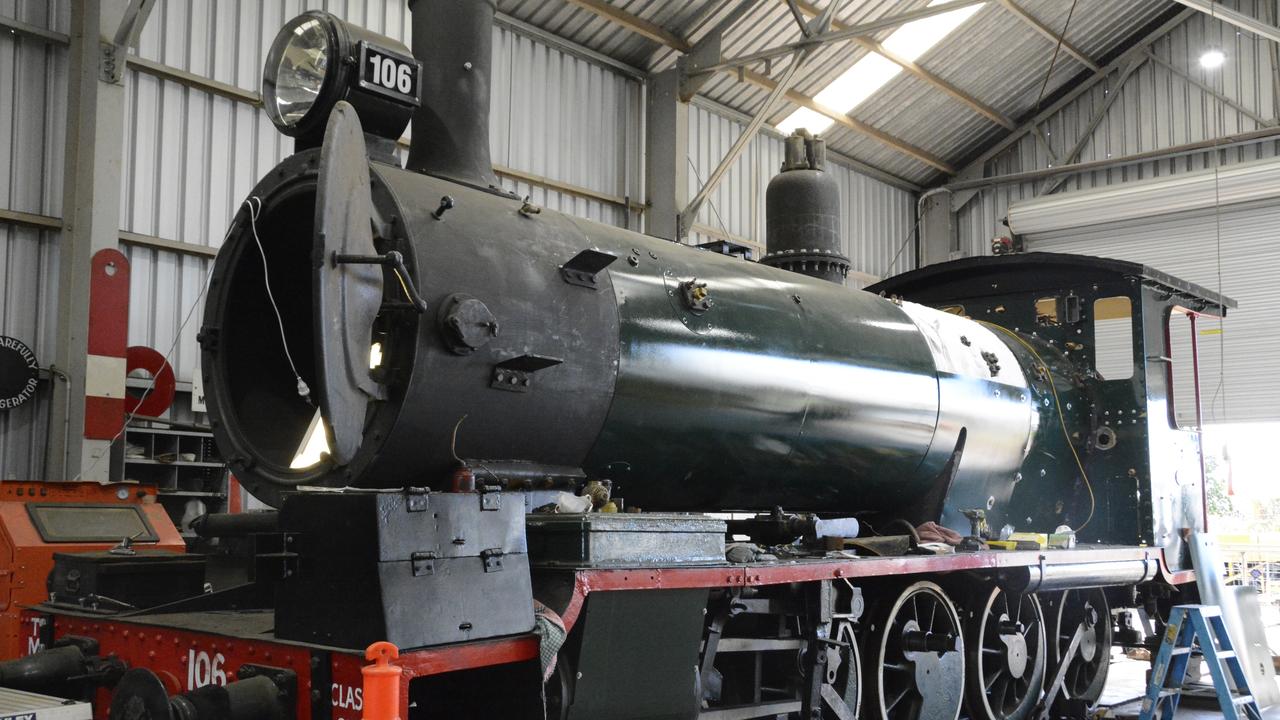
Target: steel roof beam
pixel 974 170
pixel 846 34
pixel 1269 134
pixel 634 23
pixel 1087 134
pixel 18 27
pixel 798 59
pixel 857 126
pixel 1049 33
pixel 1235 17
pixel 1051 185
pixel 849 162
pixel 1205 87
pixel 966 99
pixel 666 38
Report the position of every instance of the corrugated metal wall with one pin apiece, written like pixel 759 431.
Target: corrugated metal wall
pixel 33 88
pixel 878 219
pixel 1157 109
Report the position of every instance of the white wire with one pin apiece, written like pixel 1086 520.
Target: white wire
pixel 303 390
pixel 1219 120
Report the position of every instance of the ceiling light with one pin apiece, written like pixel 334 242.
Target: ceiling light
pixel 1212 58
pixel 874 70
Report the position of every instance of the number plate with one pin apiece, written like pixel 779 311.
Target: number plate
pixel 390 73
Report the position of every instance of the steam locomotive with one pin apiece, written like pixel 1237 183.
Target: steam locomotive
pixel 573 471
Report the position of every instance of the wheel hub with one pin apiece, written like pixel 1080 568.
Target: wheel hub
pixel 1088 644
pixel 1015 651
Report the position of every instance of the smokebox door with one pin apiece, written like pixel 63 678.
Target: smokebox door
pixel 347 295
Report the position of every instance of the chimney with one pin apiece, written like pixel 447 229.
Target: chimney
pixel 454 41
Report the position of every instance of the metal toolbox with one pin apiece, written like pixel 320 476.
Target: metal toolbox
pixel 115 580
pixel 622 540
pixel 414 568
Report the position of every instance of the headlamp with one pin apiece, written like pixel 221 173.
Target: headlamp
pixel 317 59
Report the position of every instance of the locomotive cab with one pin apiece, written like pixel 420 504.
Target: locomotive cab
pixel 1112 325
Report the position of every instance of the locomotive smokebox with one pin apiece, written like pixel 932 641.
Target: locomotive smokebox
pixel 802 205
pixel 454 41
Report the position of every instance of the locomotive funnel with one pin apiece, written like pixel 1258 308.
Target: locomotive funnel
pixel 454 41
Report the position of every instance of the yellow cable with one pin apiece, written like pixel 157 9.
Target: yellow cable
pixel 1061 419
pixel 403 286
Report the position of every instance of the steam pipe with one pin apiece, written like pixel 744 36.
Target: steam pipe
pixel 43 670
pixel 1044 578
pixel 236 524
pixel 454 41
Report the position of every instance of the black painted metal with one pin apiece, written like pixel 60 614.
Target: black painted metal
pixel 1005 656
pixel 1087 667
pixel 786 391
pixel 347 295
pixel 454 41
pixel 140 695
pixel 377 559
pixel 802 205
pixel 240 524
pixel 778 389
pixel 637 655
pixel 139 579
pixel 384 115
pixel 43 671
pixel 691 380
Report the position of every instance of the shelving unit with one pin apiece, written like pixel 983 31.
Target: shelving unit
pixel 183 465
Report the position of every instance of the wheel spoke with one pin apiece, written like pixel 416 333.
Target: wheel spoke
pixel 889 708
pixel 992 681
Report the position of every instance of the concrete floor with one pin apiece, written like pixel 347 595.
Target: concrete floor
pixel 1127 681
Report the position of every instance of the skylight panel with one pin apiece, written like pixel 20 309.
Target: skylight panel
pixel 813 121
pixel 916 38
pixel 874 70
pixel 858 82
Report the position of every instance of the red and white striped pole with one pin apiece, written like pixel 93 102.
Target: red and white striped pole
pixel 105 371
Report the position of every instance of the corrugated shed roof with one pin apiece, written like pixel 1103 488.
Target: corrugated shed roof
pixel 995 57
